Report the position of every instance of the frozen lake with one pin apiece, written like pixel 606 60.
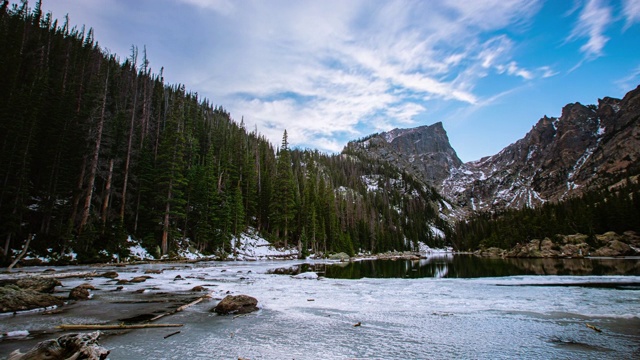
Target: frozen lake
pixel 437 317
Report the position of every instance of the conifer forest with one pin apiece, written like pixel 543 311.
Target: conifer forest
pixel 96 147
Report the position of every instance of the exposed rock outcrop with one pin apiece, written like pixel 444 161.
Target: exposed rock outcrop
pixel 423 151
pixel 43 285
pixel 584 148
pixel 14 298
pixel 609 244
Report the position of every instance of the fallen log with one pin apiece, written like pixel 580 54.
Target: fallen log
pixel 113 327
pixel 170 335
pixel 70 346
pixel 181 308
pixel 594 328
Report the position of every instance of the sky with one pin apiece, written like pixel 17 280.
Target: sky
pixel 333 71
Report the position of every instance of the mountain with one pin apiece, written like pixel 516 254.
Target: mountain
pixel 423 151
pixel 586 147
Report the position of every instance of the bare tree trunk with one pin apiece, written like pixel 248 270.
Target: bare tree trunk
pixel 94 160
pixel 129 145
pixel 24 251
pixel 76 198
pixel 165 227
pixel 107 195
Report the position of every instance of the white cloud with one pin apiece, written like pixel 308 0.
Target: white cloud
pixel 592 23
pixel 224 7
pixel 326 70
pixel 631 12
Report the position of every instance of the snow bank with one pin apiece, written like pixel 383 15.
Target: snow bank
pixel 136 251
pixel 250 246
pixel 426 250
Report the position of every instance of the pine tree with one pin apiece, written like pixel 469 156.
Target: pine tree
pixel 282 212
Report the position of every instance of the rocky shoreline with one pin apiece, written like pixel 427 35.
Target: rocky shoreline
pixel 609 244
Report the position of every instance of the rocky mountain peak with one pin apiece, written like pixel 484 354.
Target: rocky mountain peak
pixel 424 151
pixel 585 147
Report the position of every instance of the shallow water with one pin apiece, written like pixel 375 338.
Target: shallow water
pixel 491 317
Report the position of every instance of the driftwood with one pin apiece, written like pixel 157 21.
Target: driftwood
pixel 592 327
pixel 114 327
pixel 181 308
pixel 170 335
pixel 53 275
pixel 70 346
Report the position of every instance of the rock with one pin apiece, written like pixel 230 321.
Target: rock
pixel 122 282
pixel 70 346
pixel 339 256
pixel 14 298
pixel 575 239
pixel 110 274
pixel 614 248
pixel 572 250
pixel 139 279
pixel 42 285
pixel 491 252
pixel 239 304
pixel 79 293
pixel 607 237
pixel 153 271
pixel 178 277
pixel 87 286
pixel 199 288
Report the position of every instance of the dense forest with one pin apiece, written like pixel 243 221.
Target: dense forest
pixel 94 149
pixel 614 208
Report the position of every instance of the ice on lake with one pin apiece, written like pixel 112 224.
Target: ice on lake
pixel 498 317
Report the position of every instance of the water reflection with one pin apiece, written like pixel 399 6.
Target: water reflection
pixel 467 266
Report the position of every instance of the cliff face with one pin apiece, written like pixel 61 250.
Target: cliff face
pixel 587 146
pixel 423 151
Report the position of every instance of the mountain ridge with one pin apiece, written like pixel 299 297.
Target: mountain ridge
pixel 586 146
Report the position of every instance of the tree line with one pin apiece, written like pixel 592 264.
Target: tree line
pixel 613 208
pixel 94 149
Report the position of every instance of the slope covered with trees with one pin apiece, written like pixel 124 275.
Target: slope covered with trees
pixel 93 149
pixel 614 208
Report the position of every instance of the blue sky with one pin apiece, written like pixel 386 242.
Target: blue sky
pixel 333 71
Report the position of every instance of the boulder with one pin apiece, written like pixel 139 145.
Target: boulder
pixel 110 274
pixel 239 304
pixel 614 248
pixel 80 292
pixel 70 346
pixel 339 256
pixel 491 252
pixel 573 250
pixel 43 285
pixel 14 298
pixel 139 279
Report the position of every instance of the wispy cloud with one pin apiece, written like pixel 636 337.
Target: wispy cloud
pixel 630 81
pixel 592 23
pixel 224 7
pixel 631 12
pixel 323 69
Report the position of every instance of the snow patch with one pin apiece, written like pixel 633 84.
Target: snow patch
pixel 310 275
pixel 250 246
pixel 425 250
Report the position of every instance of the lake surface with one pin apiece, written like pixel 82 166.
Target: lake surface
pixel 469 266
pixel 446 312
